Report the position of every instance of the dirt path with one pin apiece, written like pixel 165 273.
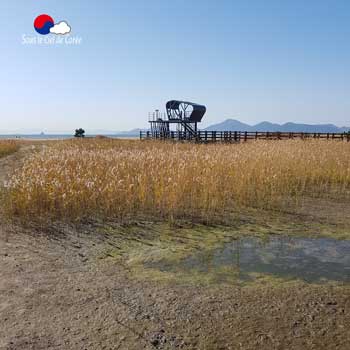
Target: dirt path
pixel 11 162
pixel 56 293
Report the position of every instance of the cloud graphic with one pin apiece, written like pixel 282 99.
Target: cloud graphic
pixel 60 28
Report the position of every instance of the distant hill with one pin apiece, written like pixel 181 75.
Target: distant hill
pixel 133 132
pixel 236 125
pixel 229 124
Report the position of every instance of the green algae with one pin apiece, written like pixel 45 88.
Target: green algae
pixel 141 246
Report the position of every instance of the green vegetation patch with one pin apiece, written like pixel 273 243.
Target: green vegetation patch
pixel 155 251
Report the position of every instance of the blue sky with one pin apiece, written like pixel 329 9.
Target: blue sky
pixel 251 60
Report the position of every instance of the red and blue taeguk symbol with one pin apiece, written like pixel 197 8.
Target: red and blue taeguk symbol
pixel 43 24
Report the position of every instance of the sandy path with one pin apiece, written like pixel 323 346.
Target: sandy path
pixel 11 162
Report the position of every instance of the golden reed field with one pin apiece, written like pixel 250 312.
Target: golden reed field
pixel 7 147
pixel 80 179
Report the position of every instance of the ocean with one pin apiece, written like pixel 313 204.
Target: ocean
pixel 61 136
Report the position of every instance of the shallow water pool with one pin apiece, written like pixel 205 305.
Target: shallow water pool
pixel 310 259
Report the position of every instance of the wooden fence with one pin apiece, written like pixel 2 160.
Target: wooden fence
pixel 239 136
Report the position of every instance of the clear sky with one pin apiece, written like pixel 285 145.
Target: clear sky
pixel 276 60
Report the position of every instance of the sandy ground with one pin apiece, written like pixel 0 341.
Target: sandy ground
pixel 56 293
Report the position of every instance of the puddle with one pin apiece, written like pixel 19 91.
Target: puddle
pixel 312 260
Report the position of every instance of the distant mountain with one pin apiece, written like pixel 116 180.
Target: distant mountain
pixel 112 132
pixel 266 126
pixel 229 124
pixel 236 125
pixel 292 127
pixel 130 132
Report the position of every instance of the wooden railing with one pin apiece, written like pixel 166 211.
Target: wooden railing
pixel 238 136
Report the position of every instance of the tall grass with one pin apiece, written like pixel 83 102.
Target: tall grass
pixel 83 179
pixel 7 147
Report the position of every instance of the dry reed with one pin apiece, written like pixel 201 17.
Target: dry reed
pixel 7 147
pixel 82 179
